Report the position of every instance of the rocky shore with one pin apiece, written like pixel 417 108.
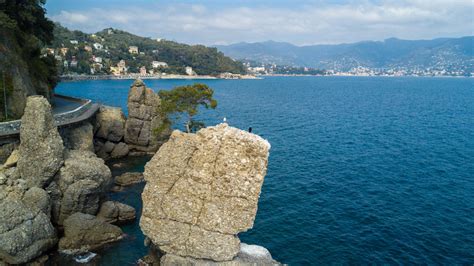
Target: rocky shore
pixel 201 189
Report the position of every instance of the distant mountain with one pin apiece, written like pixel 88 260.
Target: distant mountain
pixel 443 53
pixel 99 53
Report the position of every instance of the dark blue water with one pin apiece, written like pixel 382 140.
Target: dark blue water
pixel 362 170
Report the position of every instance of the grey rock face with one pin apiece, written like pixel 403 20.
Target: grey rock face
pixel 41 147
pixel 110 124
pixel 128 179
pixel 81 182
pixel 38 198
pixel 116 212
pixel 142 117
pixel 202 189
pixel 120 150
pixel 79 138
pixel 24 233
pixel 84 232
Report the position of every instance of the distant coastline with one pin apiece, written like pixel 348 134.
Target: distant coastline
pixel 363 75
pixel 169 76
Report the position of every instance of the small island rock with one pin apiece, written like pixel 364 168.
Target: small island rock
pixel 84 232
pixel 116 212
pixel 128 179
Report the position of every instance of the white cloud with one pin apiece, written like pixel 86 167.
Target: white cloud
pixel 322 23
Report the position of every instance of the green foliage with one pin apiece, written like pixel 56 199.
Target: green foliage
pixel 185 100
pixel 24 30
pixel 203 60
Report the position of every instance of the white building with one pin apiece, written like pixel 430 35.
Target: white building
pixel 189 71
pixel 98 46
pixel 157 64
pixel 74 42
pixel 97 59
pixel 133 49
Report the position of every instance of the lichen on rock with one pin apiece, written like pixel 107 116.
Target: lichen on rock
pixel 202 190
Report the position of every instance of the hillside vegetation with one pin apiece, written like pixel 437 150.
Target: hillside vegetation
pixel 115 47
pixel 24 29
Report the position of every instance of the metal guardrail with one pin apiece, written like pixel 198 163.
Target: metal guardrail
pixel 83 112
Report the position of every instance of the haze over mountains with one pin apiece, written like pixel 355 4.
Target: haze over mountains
pixel 450 54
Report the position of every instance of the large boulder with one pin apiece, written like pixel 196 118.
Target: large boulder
pixel 120 150
pixel 116 212
pixel 143 118
pixel 202 190
pixel 110 124
pixel 80 184
pixel 80 137
pixel 25 233
pixel 41 146
pixel 84 232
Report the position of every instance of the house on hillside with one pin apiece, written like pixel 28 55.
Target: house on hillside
pixel 74 42
pixel 98 46
pixel 133 49
pixel 63 51
pixel 120 69
pixel 88 48
pixel 189 71
pixel 97 59
pixel 158 64
pixel 143 71
pixel 73 62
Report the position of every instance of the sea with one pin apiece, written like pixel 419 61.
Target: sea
pixel 362 170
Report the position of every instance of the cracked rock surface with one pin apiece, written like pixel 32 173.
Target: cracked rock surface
pixel 202 190
pixel 25 232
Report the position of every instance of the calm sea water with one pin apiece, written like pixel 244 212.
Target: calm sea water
pixel 361 170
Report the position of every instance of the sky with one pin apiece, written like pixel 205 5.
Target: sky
pixel 212 22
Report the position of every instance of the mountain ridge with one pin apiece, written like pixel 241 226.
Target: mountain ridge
pixel 455 54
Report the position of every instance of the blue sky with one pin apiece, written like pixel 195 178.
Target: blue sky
pixel 295 21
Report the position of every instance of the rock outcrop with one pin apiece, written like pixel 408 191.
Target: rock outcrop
pixel 110 124
pixel 41 146
pixel 143 118
pixel 80 184
pixel 25 233
pixel 202 190
pixel 84 232
pixel 109 133
pixel 79 138
pixel 116 212
pixel 128 179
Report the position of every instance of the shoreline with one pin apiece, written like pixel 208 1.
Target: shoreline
pixel 364 76
pixel 146 77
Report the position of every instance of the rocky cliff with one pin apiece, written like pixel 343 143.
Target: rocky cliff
pixel 45 182
pixel 202 190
